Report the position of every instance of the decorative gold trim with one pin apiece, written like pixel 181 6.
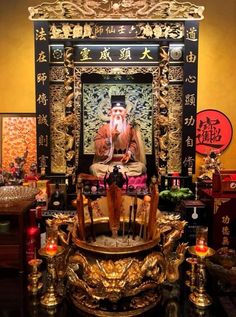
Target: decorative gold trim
pixel 161 139
pixel 57 129
pixel 70 119
pixel 79 10
pixel 218 202
pixel 175 111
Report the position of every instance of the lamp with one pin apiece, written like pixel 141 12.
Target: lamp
pixel 201 247
pixel 51 242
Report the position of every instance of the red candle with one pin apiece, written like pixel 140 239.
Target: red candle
pixel 201 250
pixel 201 247
pixel 51 248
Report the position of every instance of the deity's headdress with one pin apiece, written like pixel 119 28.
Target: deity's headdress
pixel 118 101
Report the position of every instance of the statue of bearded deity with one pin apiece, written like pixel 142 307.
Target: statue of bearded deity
pixel 117 144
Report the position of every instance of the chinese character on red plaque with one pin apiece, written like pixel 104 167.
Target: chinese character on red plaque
pixel 213 131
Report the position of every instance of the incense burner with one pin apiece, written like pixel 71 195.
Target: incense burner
pixel 124 274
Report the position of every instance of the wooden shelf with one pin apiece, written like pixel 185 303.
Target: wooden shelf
pixel 12 243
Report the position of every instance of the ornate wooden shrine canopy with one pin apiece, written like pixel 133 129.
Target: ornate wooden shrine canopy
pixel 116 40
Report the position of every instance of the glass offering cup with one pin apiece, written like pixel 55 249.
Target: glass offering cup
pixel 201 247
pixel 51 242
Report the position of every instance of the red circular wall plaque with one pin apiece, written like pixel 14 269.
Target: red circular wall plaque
pixel 213 131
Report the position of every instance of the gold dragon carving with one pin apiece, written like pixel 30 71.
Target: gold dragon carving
pixel 175 127
pixel 57 95
pixel 162 138
pixel 70 120
pixel 119 9
pixel 115 279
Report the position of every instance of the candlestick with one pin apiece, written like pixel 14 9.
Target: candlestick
pixel 34 277
pixel 51 297
pixel 199 297
pixel 192 273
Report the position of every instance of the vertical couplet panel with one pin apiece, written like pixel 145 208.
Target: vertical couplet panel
pixel 190 96
pixel 42 95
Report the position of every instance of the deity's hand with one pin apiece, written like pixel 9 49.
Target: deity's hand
pixel 126 157
pixel 114 133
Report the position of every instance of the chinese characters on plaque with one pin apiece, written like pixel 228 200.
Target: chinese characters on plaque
pixel 42 93
pixel 190 96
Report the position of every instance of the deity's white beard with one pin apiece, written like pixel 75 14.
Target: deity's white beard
pixel 120 124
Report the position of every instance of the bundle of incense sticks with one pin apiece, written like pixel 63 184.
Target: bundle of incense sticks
pixel 80 213
pixel 90 210
pixel 130 220
pixel 152 213
pixel 134 214
pixel 143 223
pixel 114 200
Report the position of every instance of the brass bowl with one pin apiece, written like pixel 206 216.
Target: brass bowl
pixel 10 195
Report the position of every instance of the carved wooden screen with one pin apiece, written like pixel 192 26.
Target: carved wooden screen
pixel 123 39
